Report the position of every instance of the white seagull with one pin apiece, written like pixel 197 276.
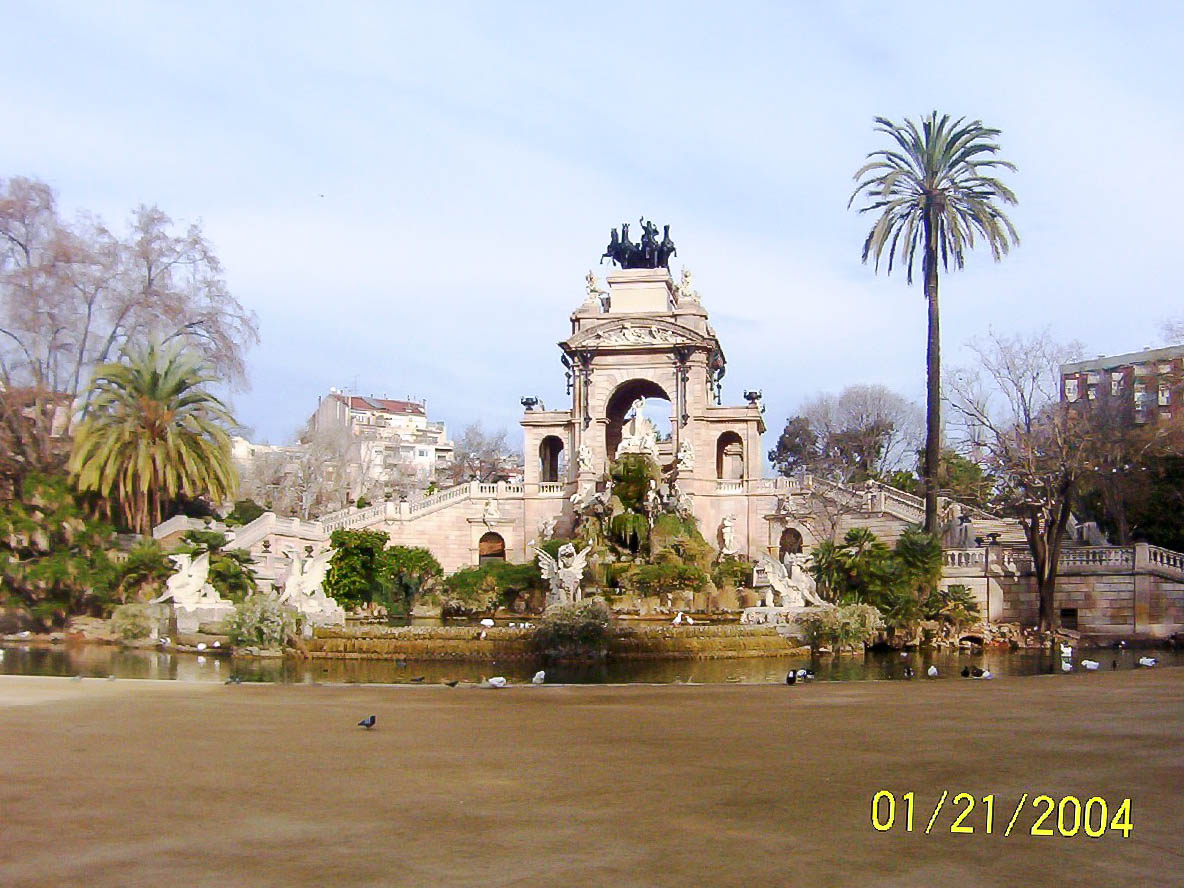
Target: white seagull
pixel 497 682
pixel 1147 662
pixel 931 672
pixel 201 645
pixel 487 623
pixel 1091 665
pixel 539 677
pixel 677 621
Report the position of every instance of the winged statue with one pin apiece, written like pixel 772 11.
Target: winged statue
pixel 186 587
pixel 794 587
pixel 563 572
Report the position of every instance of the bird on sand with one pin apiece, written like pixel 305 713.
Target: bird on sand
pixel 539 677
pixel 987 674
pixel 453 683
pixel 931 672
pixel 111 677
pixel 76 678
pixel 976 672
pixel 497 682
pixel 1147 662
pixel 368 722
pixel 791 677
pixel 418 679
pixel 1091 665
pixel 966 672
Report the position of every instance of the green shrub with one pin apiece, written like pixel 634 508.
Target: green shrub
pixel 580 630
pixel 955 606
pixel 475 590
pixel 845 626
pixel 244 512
pixel 732 571
pixel 260 621
pixel 143 573
pixel 132 621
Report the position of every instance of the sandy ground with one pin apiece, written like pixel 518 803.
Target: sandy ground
pixel 167 783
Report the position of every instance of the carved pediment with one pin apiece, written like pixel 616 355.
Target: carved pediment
pixel 637 332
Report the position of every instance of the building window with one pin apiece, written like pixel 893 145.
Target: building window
pixel 1092 392
pixel 1165 396
pixel 1070 389
pixel 1069 618
pixel 1093 377
pixel 1165 367
pixel 1115 383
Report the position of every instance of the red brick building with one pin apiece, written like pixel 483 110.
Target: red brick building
pixel 1150 382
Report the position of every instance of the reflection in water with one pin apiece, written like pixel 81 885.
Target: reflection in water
pixel 102 660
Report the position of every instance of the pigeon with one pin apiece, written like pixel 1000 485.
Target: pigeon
pixel 452 683
pixel 908 672
pixel 111 677
pixel 76 678
pixel 791 677
pixel 1147 662
pixel 1091 665
pixel 539 677
pixel 497 682
pixel 163 640
pixel 1113 664
pixel 690 621
pixel 976 672
pixel 931 672
pixel 1066 666
pixel 368 722
pixel 201 645
pixel 677 621
pixel 487 623
pixel 987 673
pixel 966 672
pixel 418 679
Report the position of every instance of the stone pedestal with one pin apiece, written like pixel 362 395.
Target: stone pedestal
pixel 640 290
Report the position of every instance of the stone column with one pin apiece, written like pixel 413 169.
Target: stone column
pixel 1141 589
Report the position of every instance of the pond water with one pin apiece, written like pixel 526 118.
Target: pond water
pixel 104 660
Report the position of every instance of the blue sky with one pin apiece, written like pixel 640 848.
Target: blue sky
pixel 409 196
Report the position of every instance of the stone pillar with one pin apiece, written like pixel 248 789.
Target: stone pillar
pixel 1141 586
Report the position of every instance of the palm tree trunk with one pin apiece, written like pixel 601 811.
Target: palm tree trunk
pixel 933 377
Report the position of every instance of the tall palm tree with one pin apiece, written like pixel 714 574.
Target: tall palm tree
pixel 152 432
pixel 935 189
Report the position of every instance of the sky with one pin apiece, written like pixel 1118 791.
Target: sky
pixel 410 195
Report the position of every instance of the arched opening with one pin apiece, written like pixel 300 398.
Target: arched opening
pixel 657 409
pixel 550 459
pixel 791 543
pixel 491 547
pixel 729 457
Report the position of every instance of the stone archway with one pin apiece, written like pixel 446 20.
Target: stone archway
pixel 550 459
pixel 621 402
pixel 729 457
pixel 790 543
pixel 491 547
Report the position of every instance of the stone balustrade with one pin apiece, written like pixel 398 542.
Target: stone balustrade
pixel 551 488
pixel 725 485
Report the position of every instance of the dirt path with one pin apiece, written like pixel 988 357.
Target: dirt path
pixel 166 783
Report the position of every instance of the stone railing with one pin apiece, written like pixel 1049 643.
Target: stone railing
pixel 1104 557
pixel 551 488
pixel 1166 561
pixel 183 523
pixel 726 485
pixel 460 491
pixel 965 557
pixel 348 519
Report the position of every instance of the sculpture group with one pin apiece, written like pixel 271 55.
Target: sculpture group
pixel 649 252
pixel 194 600
pixel 564 573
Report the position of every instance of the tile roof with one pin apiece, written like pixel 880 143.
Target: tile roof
pixel 383 405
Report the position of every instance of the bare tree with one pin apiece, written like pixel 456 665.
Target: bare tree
pixel 486 456
pixel 1010 411
pixel 73 294
pixel 1173 330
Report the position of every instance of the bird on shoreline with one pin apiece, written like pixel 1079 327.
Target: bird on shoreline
pixel 931 672
pixel 539 677
pixel 419 679
pixel 908 672
pixel 1091 665
pixel 966 672
pixel 791 677
pixel 977 672
pixel 1147 662
pixel 497 681
pixel 368 722
pixel 452 683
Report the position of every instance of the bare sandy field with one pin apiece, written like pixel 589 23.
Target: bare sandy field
pixel 181 784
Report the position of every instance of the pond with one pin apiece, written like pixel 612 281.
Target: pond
pixel 104 660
